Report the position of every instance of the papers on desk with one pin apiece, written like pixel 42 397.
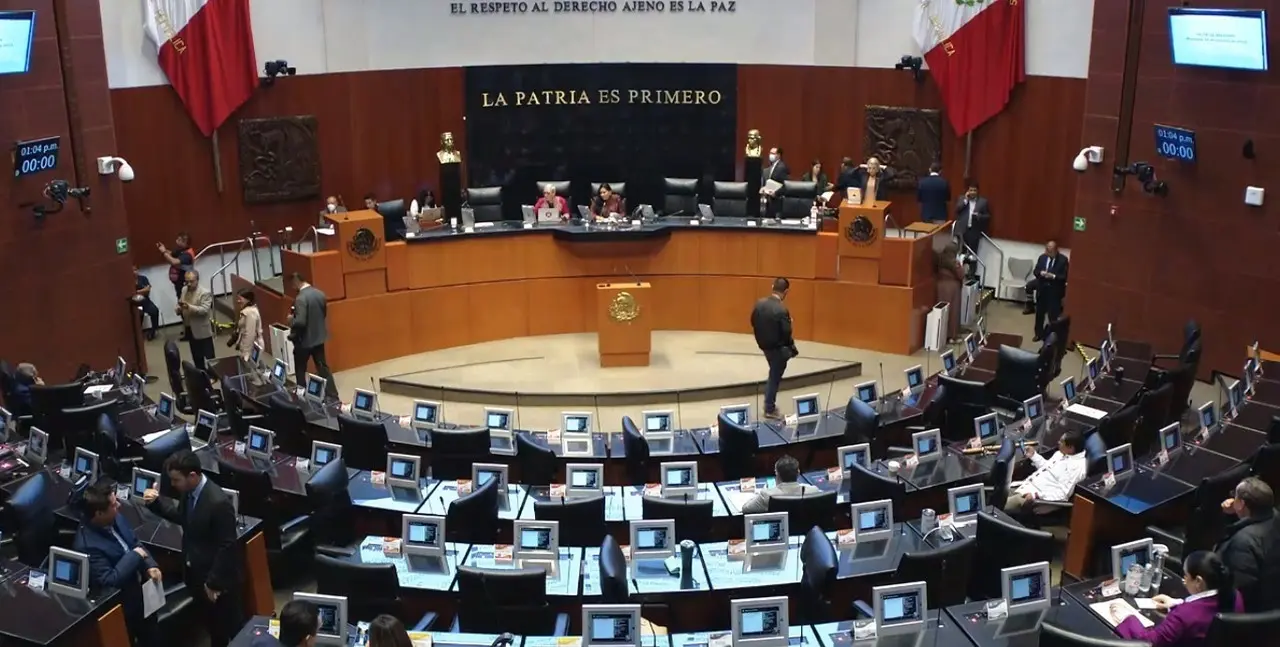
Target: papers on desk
pixel 1146 604
pixel 98 389
pixel 325 231
pixel 738 498
pixel 1088 412
pixel 420 638
pixel 826 196
pixel 153 435
pixel 1123 611
pixel 152 597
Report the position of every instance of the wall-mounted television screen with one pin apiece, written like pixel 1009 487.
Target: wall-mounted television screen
pixel 17 29
pixel 1227 38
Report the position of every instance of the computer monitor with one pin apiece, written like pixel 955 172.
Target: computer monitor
pixel 261 443
pixel 422 534
pixel 1026 588
pixel 966 502
pixel 576 422
pixel 766 532
pixel 915 379
pixel 255 355
pixel 653 539
pixel 900 608
pixel 403 470
pixel 38 445
pixel 323 453
pixel 872 519
pixel 948 358
pixel 1208 416
pixel 1068 390
pixel 482 473
pixel 315 387
pixel 760 622
pixel 1125 555
pixel 536 540
pixel 1235 397
pixel 738 414
pixel 68 573
pixel 610 625
pixel 1247 375
pixel 1033 408
pixel 970 348
pixel 849 455
pixel 583 479
pixel 165 406
pixel 120 371
pixel 279 372
pixel 679 479
pixel 657 421
pixel 1104 354
pixel 206 425
pixel 5 419
pixel 1171 438
pixel 139 383
pixel 498 419
pixel 84 464
pixel 867 391
pixel 658 432
pixel 1120 460
pixel 1092 369
pixel 426 414
pixel 927 444
pixel 144 480
pixel 808 408
pixel 333 617
pixel 364 404
pixel 987 428
pixel 1255 351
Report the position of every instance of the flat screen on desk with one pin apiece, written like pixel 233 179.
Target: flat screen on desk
pixel 255 354
pixel 364 402
pixel 535 539
pixel 37 442
pixel 873 519
pixel 164 408
pixel 423 534
pixel 423 412
pixel 1069 389
pixel 484 476
pixel 322 456
pixel 584 478
pixel 17 29
pixel 948 361
pixel 807 407
pixel 1171 436
pixel 736 415
pixel 651 538
pixel 67 571
pixel 1133 556
pixel 915 377
pixel 610 628
pixel 143 482
pixel 84 463
pixel 1120 463
pixel 315 386
pixel 575 424
pixel 1235 395
pixel 279 371
pixel 867 392
pixel 498 420
pixel 1033 407
pixel 329 617
pixel 968 503
pixel 757 622
pixel 901 607
pixel 402 469
pixel 926 444
pixel 1028 587
pixel 1092 367
pixel 1208 417
pixel 766 531
pixel 259 440
pixel 854 457
pixel 206 420
pixel 1226 38
pixel 679 476
pixel 657 422
pixel 988 427
pixel 971 345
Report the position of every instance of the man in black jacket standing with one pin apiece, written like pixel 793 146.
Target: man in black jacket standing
pixel 1050 286
pixel 771 323
pixel 934 193
pixel 1244 545
pixel 208 520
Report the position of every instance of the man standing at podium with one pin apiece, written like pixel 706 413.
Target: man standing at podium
pixel 771 323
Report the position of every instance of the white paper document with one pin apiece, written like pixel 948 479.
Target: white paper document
pixel 1089 412
pixel 98 389
pixel 152 597
pixel 772 186
pixel 153 435
pixel 739 498
pixel 1124 610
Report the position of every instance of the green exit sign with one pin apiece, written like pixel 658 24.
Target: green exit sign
pixel 1078 223
pixel 122 245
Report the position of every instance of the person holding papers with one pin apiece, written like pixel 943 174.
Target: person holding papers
pixel 607 203
pixel 776 172
pixel 1050 287
pixel 116 560
pixel 550 200
pixel 1055 477
pixel 787 473
pixel 1186 622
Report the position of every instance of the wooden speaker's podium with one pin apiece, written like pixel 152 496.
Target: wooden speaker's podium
pixel 867 256
pixel 352 262
pixel 624 324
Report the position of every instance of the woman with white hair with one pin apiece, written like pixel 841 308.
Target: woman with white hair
pixel 550 200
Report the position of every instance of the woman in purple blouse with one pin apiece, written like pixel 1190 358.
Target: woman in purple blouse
pixel 1187 621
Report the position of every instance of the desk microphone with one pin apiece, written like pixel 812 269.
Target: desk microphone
pixel 504 640
pixel 884 388
pixel 634 278
pixel 942 577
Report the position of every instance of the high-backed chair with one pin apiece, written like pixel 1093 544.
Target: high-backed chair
pixel 28 515
pixel 730 200
pixel 958 403
pixel 997 481
pixel 1052 635
pixel 1017 377
pixel 581 520
pixel 1002 544
pixel 200 391
pixel 486 203
pixel 289 544
pixel 1189 353
pixel 738 447
pixel 1153 414
pixel 393 213
pixel 364 443
pixel 1120 427
pixel 692 517
pixel 370 589
pixel 473 519
pixel 807 510
pixel 515 601
pixel 619 188
pixel 239 419
pixel 563 189
pixel 1236 629
pixel 76 426
pixel 333 522
pixel 861 421
pixel 946 570
pixel 679 194
pixel 454 450
pixel 290 424
pixel 173 371
pixel 865 485
pixel 637 451
pixel 797 198
pixel 1266 464
pixel 820 566
pixel 613 572
pixel 538 463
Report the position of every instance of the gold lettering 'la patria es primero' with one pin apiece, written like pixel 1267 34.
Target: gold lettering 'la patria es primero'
pixel 522 98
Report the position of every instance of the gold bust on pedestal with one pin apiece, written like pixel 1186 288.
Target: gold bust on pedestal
pixel 754 143
pixel 447 153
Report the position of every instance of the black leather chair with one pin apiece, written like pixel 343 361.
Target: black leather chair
pixel 808 510
pixel 564 189
pixel 1017 377
pixel 613 573
pixel 333 519
pixel 538 463
pixel 1205 522
pixel 495 602
pixel 289 545
pixel 290 424
pixel 173 371
pixel 958 402
pixel 370 589
pixel 637 451
pixel 865 486
pixel 473 519
pixel 581 520
pixel 1052 635
pixel 1120 427
pixel 692 517
pixel 1002 544
pixel 364 443
pixel 8 390
pixel 820 566
pixel 239 419
pixel 200 391
pixel 454 450
pixel 1266 464
pixel 730 200
pixel 155 452
pixel 619 188
pixel 861 421
pixel 738 447
pixel 28 515
pixel 1188 354
pixel 1237 629
pixel 1153 414
pixel 945 570
pixel 679 194
pixel 393 213
pixel 486 202
pixel 997 481
pixel 797 198
pixel 76 426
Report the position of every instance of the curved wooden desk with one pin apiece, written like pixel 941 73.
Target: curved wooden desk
pixel 443 289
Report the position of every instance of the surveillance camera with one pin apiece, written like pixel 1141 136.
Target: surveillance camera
pixel 117 165
pixel 125 172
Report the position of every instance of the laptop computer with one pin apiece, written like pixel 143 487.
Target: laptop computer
pixel 548 215
pixel 584 212
pixel 468 217
pixel 527 214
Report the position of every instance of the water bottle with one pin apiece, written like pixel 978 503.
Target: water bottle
pixel 1157 572
pixel 928 520
pixel 1133 579
pixel 686 564
pixel 1144 585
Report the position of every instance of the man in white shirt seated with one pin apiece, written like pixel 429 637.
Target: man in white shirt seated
pixel 1055 477
pixel 787 472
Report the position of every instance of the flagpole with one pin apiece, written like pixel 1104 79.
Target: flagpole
pixel 968 153
pixel 217 162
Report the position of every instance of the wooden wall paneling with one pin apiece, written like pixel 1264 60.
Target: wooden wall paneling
pixel 365 283
pixel 800 303
pixel 498 310
pixel 725 302
pixel 557 306
pixel 790 256
pixel 733 253
pixel 397 254
pixel 826 256
pixel 440 318
pixel 381 324
pixel 673 307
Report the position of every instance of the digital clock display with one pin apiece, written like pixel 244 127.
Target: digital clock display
pixel 1176 143
pixel 35 156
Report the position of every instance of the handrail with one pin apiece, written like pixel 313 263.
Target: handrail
pixel 219 246
pixel 1000 274
pixel 888 218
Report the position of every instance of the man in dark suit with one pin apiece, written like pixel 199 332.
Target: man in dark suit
pixel 973 214
pixel 934 193
pixel 1051 286
pixel 208 521
pixel 309 330
pixel 116 560
pixel 777 171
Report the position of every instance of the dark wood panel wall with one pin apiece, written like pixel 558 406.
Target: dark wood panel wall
pixel 379 130
pixel 63 286
pixel 1147 263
